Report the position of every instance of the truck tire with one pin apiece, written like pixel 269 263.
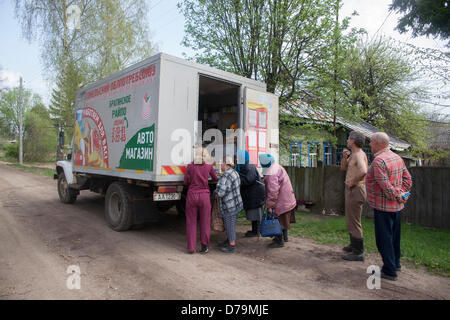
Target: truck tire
pixel 118 207
pixel 66 194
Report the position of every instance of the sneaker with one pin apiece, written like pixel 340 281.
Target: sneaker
pixel 222 244
pixel 204 249
pixel 388 277
pixel 229 249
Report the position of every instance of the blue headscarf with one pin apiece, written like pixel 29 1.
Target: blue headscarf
pixel 242 159
pixel 266 160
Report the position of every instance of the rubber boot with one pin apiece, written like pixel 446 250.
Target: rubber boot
pixel 285 235
pixel 278 243
pixel 349 247
pixel 357 253
pixel 254 231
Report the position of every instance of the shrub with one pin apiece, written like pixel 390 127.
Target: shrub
pixel 12 150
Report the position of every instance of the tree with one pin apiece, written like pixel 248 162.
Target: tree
pixel 62 103
pixel 9 109
pixel 40 135
pixel 2 80
pixel 285 44
pixel 424 17
pixel 382 88
pixel 111 34
pixel 277 41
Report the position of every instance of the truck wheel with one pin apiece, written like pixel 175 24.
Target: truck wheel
pixel 118 207
pixel 66 194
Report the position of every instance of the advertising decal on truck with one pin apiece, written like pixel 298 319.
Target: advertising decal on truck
pixel 139 151
pixel 258 107
pixel 91 146
pixel 115 126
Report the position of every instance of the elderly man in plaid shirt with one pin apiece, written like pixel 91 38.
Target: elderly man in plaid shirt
pixel 387 183
pixel 228 189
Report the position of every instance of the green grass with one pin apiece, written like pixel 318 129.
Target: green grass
pixel 421 246
pixel 36 170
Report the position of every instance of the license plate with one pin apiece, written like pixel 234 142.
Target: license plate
pixel 166 196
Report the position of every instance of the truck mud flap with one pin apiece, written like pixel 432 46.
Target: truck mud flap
pixel 144 210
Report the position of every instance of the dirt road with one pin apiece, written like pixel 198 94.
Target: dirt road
pixel 41 237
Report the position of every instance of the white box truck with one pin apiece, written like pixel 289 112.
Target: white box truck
pixel 128 129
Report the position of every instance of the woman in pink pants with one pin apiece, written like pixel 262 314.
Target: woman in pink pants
pixel 198 200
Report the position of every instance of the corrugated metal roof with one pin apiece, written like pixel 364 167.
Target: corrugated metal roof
pixel 316 114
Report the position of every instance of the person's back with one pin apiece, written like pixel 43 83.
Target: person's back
pixel 198 200
pixel 387 169
pixel 388 184
pixel 252 189
pixel 197 176
pixel 277 179
pixel 280 196
pixel 229 191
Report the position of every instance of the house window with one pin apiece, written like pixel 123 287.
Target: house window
pixel 369 154
pixel 313 151
pixel 327 154
pixel 339 155
pixel 295 153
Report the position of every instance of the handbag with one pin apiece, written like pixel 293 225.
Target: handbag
pixel 216 220
pixel 270 226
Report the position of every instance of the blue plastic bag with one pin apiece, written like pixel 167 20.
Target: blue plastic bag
pixel 270 226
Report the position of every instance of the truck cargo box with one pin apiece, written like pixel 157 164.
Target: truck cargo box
pixel 128 125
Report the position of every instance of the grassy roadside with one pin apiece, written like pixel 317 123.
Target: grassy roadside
pixel 36 170
pixel 426 247
pixel 29 167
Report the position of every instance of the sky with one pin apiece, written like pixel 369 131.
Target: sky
pixel 18 57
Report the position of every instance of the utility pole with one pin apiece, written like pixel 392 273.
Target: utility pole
pixel 20 122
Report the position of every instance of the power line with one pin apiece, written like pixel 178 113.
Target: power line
pixel 163 26
pixel 156 5
pixel 381 25
pixel 164 14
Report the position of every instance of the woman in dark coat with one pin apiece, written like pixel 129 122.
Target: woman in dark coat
pixel 252 191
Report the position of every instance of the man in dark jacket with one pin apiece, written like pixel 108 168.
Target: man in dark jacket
pixel 252 191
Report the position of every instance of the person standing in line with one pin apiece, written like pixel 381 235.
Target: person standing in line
pixel 228 190
pixel 355 194
pixel 280 197
pixel 252 191
pixel 387 182
pixel 198 200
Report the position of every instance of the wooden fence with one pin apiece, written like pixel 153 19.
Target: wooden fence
pixel 428 205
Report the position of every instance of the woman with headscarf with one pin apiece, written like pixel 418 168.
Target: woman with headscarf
pixel 228 190
pixel 198 200
pixel 252 191
pixel 280 196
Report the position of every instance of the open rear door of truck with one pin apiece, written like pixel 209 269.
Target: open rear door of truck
pixel 261 124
